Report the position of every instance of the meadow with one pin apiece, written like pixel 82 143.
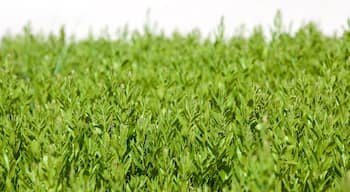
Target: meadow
pixel 150 112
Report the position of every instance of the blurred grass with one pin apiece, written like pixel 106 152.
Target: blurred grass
pixel 155 113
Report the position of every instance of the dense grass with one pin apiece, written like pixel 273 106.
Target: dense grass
pixel 149 112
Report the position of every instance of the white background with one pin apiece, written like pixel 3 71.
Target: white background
pixel 80 16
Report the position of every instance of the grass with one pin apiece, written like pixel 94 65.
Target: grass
pixel 155 113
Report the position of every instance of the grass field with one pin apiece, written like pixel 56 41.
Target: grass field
pixel 174 113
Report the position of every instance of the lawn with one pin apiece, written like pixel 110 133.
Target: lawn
pixel 150 112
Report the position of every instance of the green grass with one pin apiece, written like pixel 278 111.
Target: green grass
pixel 175 113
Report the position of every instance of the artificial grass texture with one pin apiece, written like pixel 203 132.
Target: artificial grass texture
pixel 155 113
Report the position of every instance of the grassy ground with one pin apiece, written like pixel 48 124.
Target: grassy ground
pixel 149 112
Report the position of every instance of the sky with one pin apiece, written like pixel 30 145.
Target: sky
pixel 82 16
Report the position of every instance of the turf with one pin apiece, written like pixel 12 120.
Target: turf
pixel 150 112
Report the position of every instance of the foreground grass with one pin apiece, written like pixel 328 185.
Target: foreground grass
pixel 148 112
